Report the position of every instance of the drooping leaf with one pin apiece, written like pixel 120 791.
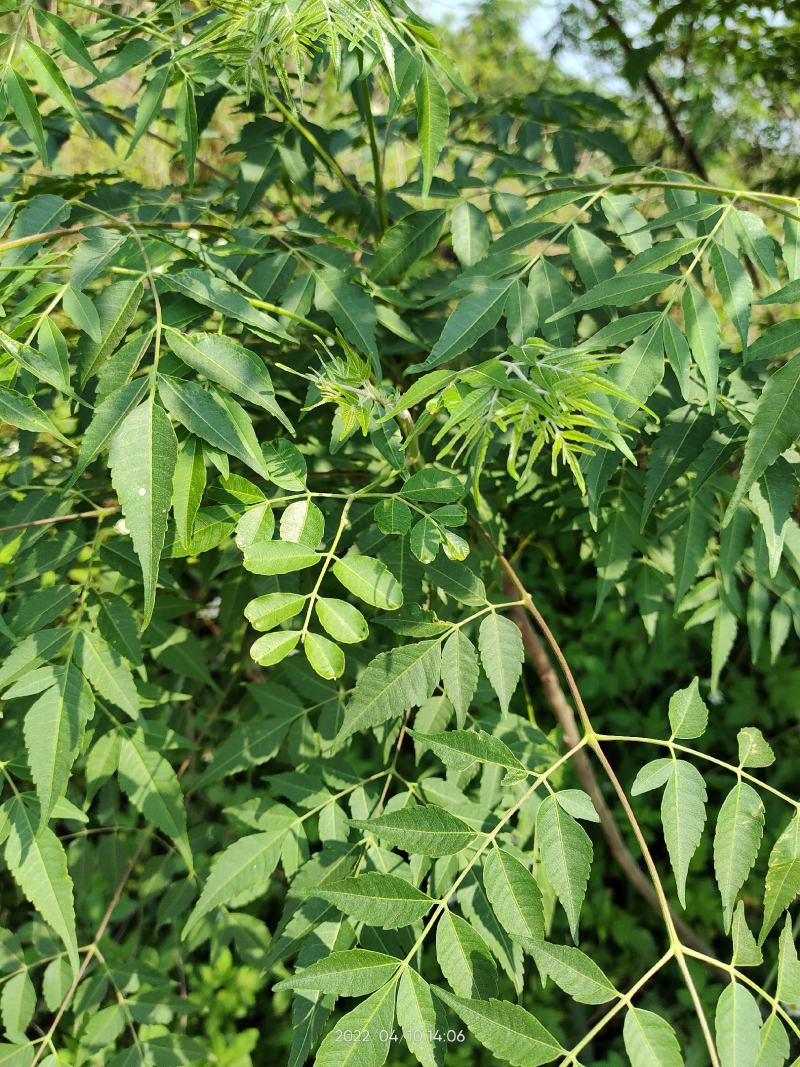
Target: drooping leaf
pixel 142 456
pixel 500 645
pixel 153 788
pixel 737 1023
pixel 510 1032
pixel 433 117
pixel 683 815
pixel 783 876
pixel 574 972
pixel 775 427
pixel 38 864
pixel 650 1041
pixel 737 838
pixel 464 958
pixel 566 852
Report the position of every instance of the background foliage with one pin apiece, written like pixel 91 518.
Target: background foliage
pixel 344 364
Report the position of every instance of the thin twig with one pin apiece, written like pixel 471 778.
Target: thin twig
pixel 96 513
pixel 562 710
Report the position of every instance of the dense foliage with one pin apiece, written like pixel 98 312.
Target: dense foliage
pixel 307 456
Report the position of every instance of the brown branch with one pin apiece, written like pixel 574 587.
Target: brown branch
pixel 561 708
pixel 679 135
pixel 95 513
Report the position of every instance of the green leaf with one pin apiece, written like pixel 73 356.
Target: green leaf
pixel 776 341
pixel 188 487
pixel 521 313
pixel 53 730
pixel 773 1049
pixel 107 671
pixel 688 713
pixel 208 418
pixel 746 952
pixel 754 751
pixel 649 1040
pixel 393 682
pixel 464 957
pixel 459 671
pixel 500 645
pixel 551 293
pixel 574 972
pixel 265 612
pixel 68 40
pixel 381 900
pixel 149 105
pixel 254 742
pixel 788 984
pixel 578 804
pixel 683 815
pixel 303 523
pixel 514 895
pixel 370 581
pixel 279 557
pixel 241 873
pixel 325 656
pixel 349 307
pixel 24 106
pixel 341 620
pixel 83 313
pixel 38 864
pixel 48 77
pixel 272 648
pixel 619 291
pixel 566 852
pixel 20 411
pixel 230 365
pixel 116 307
pixel 420 1019
pixel 471 232
pixel 474 316
pixel 17 1005
pixel 737 838
pixel 392 516
pixel 413 237
pixel 351 973
pixel 153 788
pixel 433 118
pixel 737 1023
pixel 213 294
pixel 735 288
pixel 702 333
pixel 507 1030
pixel 433 486
pixel 775 427
pixel 461 749
pixel 690 546
pixel 142 457
pixel 373 1016
pixel 680 440
pixel 186 125
pixel 423 831
pixel 593 261
pixel 783 876
pixel 107 418
pixel 774 497
pixel 117 625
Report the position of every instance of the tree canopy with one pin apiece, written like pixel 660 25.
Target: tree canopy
pixel 399 536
